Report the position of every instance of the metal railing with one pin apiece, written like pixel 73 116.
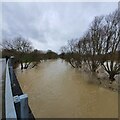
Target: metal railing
pixel 10 100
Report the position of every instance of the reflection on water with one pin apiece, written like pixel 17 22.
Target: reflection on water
pixel 57 90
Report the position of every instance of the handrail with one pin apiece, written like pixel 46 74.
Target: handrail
pixel 9 101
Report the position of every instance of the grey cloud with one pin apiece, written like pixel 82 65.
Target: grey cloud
pixel 50 25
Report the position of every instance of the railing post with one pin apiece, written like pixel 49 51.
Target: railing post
pixel 24 111
pixel 23 101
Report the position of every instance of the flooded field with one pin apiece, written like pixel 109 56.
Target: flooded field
pixel 56 90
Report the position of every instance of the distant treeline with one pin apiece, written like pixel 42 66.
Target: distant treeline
pixel 35 55
pixel 101 57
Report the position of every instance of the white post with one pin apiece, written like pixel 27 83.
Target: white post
pixel 23 100
pixel 24 110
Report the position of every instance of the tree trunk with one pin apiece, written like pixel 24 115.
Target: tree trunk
pixel 111 77
pixel 21 65
pixel 93 67
pixel 71 64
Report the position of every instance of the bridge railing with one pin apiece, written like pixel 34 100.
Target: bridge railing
pixel 10 100
pixel 10 111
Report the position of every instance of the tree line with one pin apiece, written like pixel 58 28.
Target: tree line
pixel 24 52
pixel 99 46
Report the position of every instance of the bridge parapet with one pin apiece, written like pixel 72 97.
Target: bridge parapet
pixel 9 102
pixel 16 106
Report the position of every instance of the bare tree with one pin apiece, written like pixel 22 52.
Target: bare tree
pixel 22 46
pixel 99 46
pixel 19 44
pixel 90 46
pixel 112 44
pixel 74 53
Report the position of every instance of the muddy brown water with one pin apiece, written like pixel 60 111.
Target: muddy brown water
pixel 56 90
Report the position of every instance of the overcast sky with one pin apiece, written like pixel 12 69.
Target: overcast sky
pixel 50 25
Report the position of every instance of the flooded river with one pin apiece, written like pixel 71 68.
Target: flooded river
pixel 56 90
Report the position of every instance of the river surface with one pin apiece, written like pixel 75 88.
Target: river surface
pixel 56 90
